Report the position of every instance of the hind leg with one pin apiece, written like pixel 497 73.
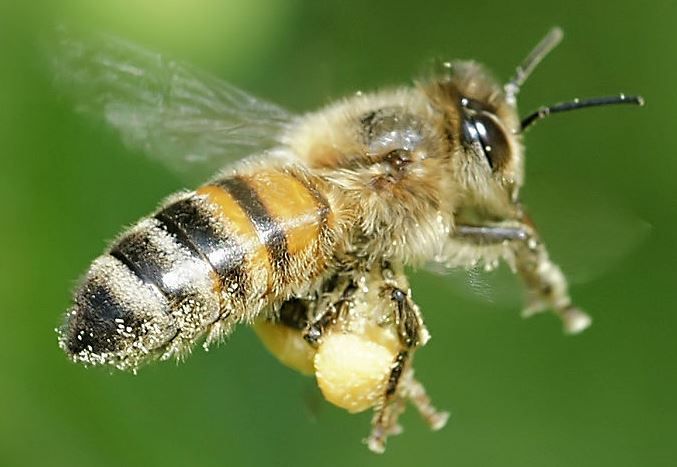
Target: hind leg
pixel 401 385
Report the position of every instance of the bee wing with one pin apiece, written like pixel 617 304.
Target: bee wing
pixel 190 121
pixel 587 233
pixel 498 287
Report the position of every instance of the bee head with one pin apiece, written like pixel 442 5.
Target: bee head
pixel 483 128
pixel 481 118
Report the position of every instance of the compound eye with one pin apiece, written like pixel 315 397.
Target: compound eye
pixel 483 133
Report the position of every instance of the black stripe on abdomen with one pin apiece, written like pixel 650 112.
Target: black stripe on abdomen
pixel 100 312
pixel 135 251
pixel 193 226
pixel 268 230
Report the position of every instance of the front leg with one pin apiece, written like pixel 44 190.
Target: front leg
pixel 545 283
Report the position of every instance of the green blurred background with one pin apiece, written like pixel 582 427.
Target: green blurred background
pixel 600 184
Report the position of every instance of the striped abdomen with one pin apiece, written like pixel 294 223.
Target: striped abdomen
pixel 205 261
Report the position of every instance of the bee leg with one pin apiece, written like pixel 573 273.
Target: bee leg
pixel 402 386
pixel 546 285
pixel 315 328
pixel 410 328
pixel 401 383
pixel 384 423
pixel 418 396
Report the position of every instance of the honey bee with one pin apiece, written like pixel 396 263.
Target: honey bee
pixel 308 236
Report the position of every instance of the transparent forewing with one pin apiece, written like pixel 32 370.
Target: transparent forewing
pixel 192 122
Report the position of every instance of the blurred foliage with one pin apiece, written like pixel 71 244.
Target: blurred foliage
pixel 520 392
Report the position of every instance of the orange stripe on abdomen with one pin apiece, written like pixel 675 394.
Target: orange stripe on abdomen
pixel 284 218
pixel 291 204
pixel 239 224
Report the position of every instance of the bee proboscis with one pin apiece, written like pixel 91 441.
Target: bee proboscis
pixel 308 236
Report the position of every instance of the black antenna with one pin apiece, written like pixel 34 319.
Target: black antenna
pixel 579 104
